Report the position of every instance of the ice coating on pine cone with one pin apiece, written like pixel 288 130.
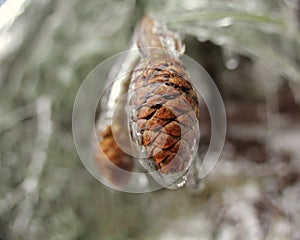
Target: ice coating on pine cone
pixel 163 110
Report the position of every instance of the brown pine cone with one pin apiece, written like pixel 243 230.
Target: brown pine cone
pixel 112 160
pixel 164 115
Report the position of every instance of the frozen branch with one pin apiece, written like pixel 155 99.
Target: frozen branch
pixel 30 185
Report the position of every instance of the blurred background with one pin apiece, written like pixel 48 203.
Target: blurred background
pixel 251 48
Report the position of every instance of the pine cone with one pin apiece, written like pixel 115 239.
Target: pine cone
pixel 164 112
pixel 112 154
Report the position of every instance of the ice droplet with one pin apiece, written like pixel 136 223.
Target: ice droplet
pixel 231 59
pixel 225 22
